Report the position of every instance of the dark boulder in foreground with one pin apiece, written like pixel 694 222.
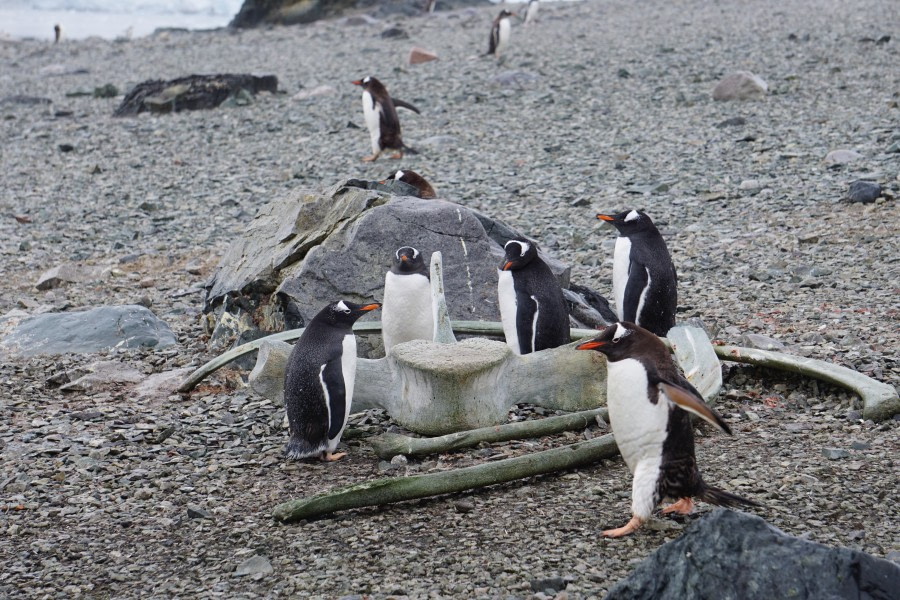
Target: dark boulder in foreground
pixel 193 92
pixel 295 12
pixel 84 332
pixel 729 554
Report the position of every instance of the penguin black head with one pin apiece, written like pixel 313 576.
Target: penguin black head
pixel 344 313
pixel 627 340
pixel 505 13
pixel 408 261
pixel 519 253
pixel 629 221
pixel 370 84
pixel 414 179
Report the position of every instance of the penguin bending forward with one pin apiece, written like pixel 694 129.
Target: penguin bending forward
pixel 318 381
pixel 500 32
pixel 649 402
pixel 644 279
pixel 532 305
pixel 380 112
pixel 414 179
pixel 406 312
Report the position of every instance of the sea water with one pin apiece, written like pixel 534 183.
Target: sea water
pixel 110 19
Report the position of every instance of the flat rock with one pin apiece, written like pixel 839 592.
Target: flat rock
pixel 68 273
pixel 102 375
pixel 86 332
pixel 740 85
pixel 419 55
pixel 316 92
pixel 254 565
pixel 729 554
pixel 762 342
pixel 842 157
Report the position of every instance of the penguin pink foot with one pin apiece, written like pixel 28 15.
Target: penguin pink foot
pixel 330 457
pixel 683 507
pixel 627 529
pixel 397 156
pixel 371 158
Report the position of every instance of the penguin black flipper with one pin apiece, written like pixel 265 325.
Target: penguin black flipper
pixel 693 403
pixel 335 396
pixel 638 278
pixel 525 321
pixel 406 105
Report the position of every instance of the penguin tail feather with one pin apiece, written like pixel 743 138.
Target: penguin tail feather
pixel 298 448
pixel 714 495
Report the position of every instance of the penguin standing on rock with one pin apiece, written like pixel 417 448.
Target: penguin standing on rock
pixel 415 180
pixel 532 305
pixel 644 279
pixel 407 308
pixel 380 112
pixel 500 32
pixel 649 403
pixel 318 381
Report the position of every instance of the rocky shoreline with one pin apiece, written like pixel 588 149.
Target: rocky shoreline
pixel 111 492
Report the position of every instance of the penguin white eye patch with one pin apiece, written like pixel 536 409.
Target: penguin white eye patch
pixel 342 307
pixel 632 216
pixel 415 252
pixel 525 246
pixel 621 332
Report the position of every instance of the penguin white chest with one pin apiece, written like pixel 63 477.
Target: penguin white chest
pixel 621 261
pixel 638 424
pixel 503 34
pixel 506 292
pixel 372 114
pixel 406 312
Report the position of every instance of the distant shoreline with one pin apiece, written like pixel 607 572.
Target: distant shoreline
pixel 22 24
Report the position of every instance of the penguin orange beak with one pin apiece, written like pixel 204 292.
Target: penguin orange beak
pixel 507 266
pixel 605 218
pixel 357 82
pixel 404 258
pixel 590 345
pixel 369 307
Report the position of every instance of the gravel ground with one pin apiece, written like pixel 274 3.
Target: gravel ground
pixel 609 107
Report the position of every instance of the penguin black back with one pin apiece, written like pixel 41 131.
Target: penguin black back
pixel 644 279
pixel 425 191
pixel 380 112
pixel 532 305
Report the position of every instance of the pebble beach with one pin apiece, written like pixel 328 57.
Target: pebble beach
pixel 598 107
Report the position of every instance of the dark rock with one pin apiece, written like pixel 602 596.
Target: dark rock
pixel 732 122
pixel 106 91
pixel 66 147
pixel 554 584
pixel 25 100
pixel 729 554
pixel 394 33
pixel 195 512
pixel 192 92
pixel 287 12
pixel 588 307
pixel 87 331
pixel 623 73
pixel 863 191
pixel 516 79
pixel 286 257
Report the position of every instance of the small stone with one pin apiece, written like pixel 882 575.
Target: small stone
pixel 464 506
pixel 399 461
pixel 865 192
pixel 842 157
pixel 553 584
pixel 856 445
pixel 750 185
pixel 755 340
pixel 579 202
pixel 732 122
pixel 854 415
pixel 66 147
pixel 623 73
pixel 254 565
pixel 106 91
pixel 316 92
pixel 195 512
pixel 741 85
pixel 147 282
pixel 419 55
pixel 835 453
pixel 394 33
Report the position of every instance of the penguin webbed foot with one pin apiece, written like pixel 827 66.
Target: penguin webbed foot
pixel 684 506
pixel 371 158
pixel 627 529
pixel 397 156
pixel 331 457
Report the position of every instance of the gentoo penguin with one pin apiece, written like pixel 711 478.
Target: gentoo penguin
pixel 57 33
pixel 532 306
pixel 644 280
pixel 406 312
pixel 415 180
pixel 649 404
pixel 380 112
pixel 318 381
pixel 429 6
pixel 500 32
pixel 532 11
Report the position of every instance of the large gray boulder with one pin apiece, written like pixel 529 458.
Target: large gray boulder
pixel 732 555
pixel 83 332
pixel 309 248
